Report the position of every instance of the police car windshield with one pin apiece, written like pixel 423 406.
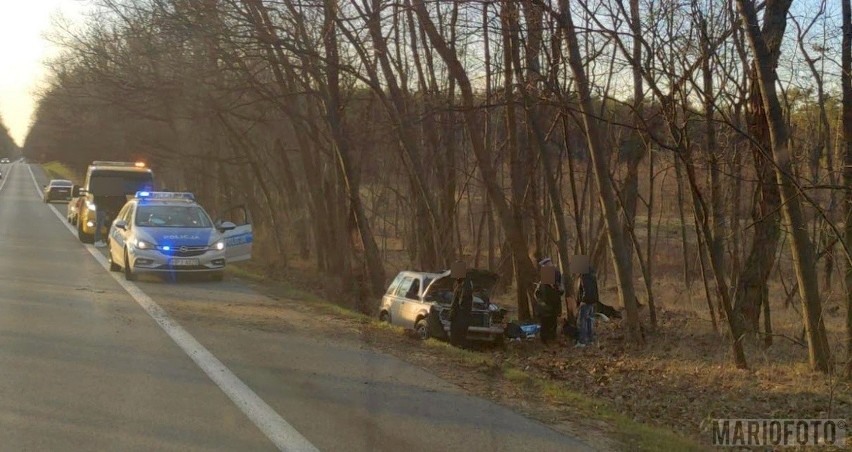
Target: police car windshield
pixel 172 217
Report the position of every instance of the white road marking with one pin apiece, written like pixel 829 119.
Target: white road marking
pixel 6 177
pixel 278 430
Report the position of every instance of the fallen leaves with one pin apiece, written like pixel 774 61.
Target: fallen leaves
pixel 682 377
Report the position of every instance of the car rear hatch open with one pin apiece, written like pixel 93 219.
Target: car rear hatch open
pixel 441 289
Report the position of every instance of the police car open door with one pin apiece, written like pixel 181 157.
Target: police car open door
pixel 238 241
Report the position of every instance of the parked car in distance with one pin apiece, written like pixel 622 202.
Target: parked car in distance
pixel 413 295
pixel 4 160
pixel 57 189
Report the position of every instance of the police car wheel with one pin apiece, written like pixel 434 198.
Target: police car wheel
pixel 384 317
pixel 113 267
pixel 128 272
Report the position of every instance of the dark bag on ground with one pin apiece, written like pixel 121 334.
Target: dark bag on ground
pixel 608 311
pixel 514 331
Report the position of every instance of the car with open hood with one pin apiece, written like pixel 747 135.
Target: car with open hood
pixel 413 298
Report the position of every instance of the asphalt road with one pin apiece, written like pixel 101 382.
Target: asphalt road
pixel 90 362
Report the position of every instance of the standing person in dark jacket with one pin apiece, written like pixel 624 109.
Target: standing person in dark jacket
pixel 461 309
pixel 549 302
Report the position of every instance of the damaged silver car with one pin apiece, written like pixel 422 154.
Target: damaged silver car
pixel 420 302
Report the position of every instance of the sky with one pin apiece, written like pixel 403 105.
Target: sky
pixel 23 50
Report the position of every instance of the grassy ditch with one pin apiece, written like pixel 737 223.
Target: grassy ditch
pixel 58 170
pixel 525 385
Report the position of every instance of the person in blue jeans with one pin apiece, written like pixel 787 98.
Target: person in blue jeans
pixel 587 296
pixel 585 324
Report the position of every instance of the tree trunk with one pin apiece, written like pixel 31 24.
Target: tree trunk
pixel 351 179
pixel 514 231
pixel 846 83
pixel 707 295
pixel 752 286
pixel 433 235
pixel 684 243
pixel 536 129
pixel 621 254
pixel 717 207
pixel 822 153
pixel 518 175
pixel 801 246
pixel 703 228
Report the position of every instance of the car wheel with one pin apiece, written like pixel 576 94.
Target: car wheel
pixel 217 276
pixel 85 238
pixel 128 271
pixel 421 329
pixel 384 317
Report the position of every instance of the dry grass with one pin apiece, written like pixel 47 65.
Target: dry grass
pixel 681 378
pixel 488 373
pixel 57 170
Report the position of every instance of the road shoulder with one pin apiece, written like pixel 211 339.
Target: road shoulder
pixel 484 375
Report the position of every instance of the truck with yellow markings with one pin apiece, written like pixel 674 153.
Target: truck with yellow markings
pixel 107 188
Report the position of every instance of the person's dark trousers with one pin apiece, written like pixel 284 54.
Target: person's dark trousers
pixel 548 329
pixel 458 330
pixel 100 220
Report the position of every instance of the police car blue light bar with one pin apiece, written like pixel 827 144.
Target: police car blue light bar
pixel 165 195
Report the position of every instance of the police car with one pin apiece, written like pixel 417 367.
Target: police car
pixel 170 232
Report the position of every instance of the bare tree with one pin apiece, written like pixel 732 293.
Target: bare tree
pixel 615 232
pixel 511 225
pixel 846 81
pixel 801 246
